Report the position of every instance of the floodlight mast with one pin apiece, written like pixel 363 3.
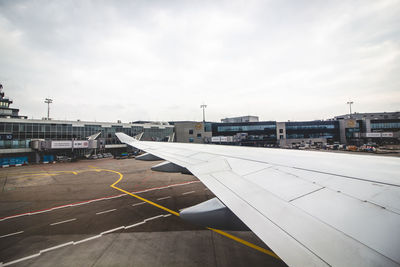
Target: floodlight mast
pixel 48 101
pixel 204 114
pixel 350 103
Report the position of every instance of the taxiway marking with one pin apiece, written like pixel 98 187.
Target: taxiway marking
pixel 83 240
pixel 95 200
pixel 187 193
pixel 235 238
pixel 162 198
pixel 63 221
pixel 16 233
pixel 137 204
pixel 106 211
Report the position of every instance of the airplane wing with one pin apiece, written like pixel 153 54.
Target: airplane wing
pixel 312 208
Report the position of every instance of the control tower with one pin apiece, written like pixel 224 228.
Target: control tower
pixel 5 110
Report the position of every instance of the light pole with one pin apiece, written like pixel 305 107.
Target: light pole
pixel 350 103
pixel 204 114
pixel 48 101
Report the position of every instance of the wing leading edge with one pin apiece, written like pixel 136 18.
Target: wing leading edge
pixel 311 208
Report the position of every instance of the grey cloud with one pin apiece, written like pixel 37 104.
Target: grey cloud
pixel 274 59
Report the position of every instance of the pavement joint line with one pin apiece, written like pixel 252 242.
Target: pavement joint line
pixel 70 220
pixel 16 233
pixel 235 238
pixel 162 198
pixel 83 240
pixel 106 211
pixel 187 193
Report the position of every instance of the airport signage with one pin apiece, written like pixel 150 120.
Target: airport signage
pixel 81 144
pixel 387 134
pixel 215 139
pixel 224 139
pixel 61 144
pixel 373 135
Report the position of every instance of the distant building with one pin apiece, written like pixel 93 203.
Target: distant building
pixel 370 116
pixel 5 110
pixel 18 132
pixel 21 131
pixel 307 132
pixel 245 133
pixel 192 132
pixel 381 128
pixel 363 128
pixel 240 119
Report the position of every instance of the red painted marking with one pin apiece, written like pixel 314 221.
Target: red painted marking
pixel 92 200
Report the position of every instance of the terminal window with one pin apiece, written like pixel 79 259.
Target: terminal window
pixel 191 131
pixel 199 135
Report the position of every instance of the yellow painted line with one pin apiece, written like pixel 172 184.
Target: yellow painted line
pixel 136 196
pixel 93 168
pixel 244 242
pixel 235 238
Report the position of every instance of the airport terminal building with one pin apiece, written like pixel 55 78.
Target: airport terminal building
pixel 355 129
pixel 22 136
pixel 36 138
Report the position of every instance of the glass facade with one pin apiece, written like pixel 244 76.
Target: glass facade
pixel 245 128
pixel 24 130
pixel 248 133
pixel 313 129
pixel 385 124
pixel 155 133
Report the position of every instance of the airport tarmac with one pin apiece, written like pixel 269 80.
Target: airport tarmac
pixel 67 214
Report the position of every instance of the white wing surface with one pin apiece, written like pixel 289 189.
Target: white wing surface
pixel 311 208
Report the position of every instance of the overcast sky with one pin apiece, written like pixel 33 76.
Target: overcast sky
pixel 160 60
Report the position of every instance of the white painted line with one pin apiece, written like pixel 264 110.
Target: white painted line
pixel 162 198
pixel 92 201
pixel 153 218
pixel 56 247
pixel 112 230
pixel 106 211
pixel 137 204
pixel 22 259
pixel 87 239
pixel 16 233
pixel 186 193
pixel 83 240
pixel 134 225
pixel 63 222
